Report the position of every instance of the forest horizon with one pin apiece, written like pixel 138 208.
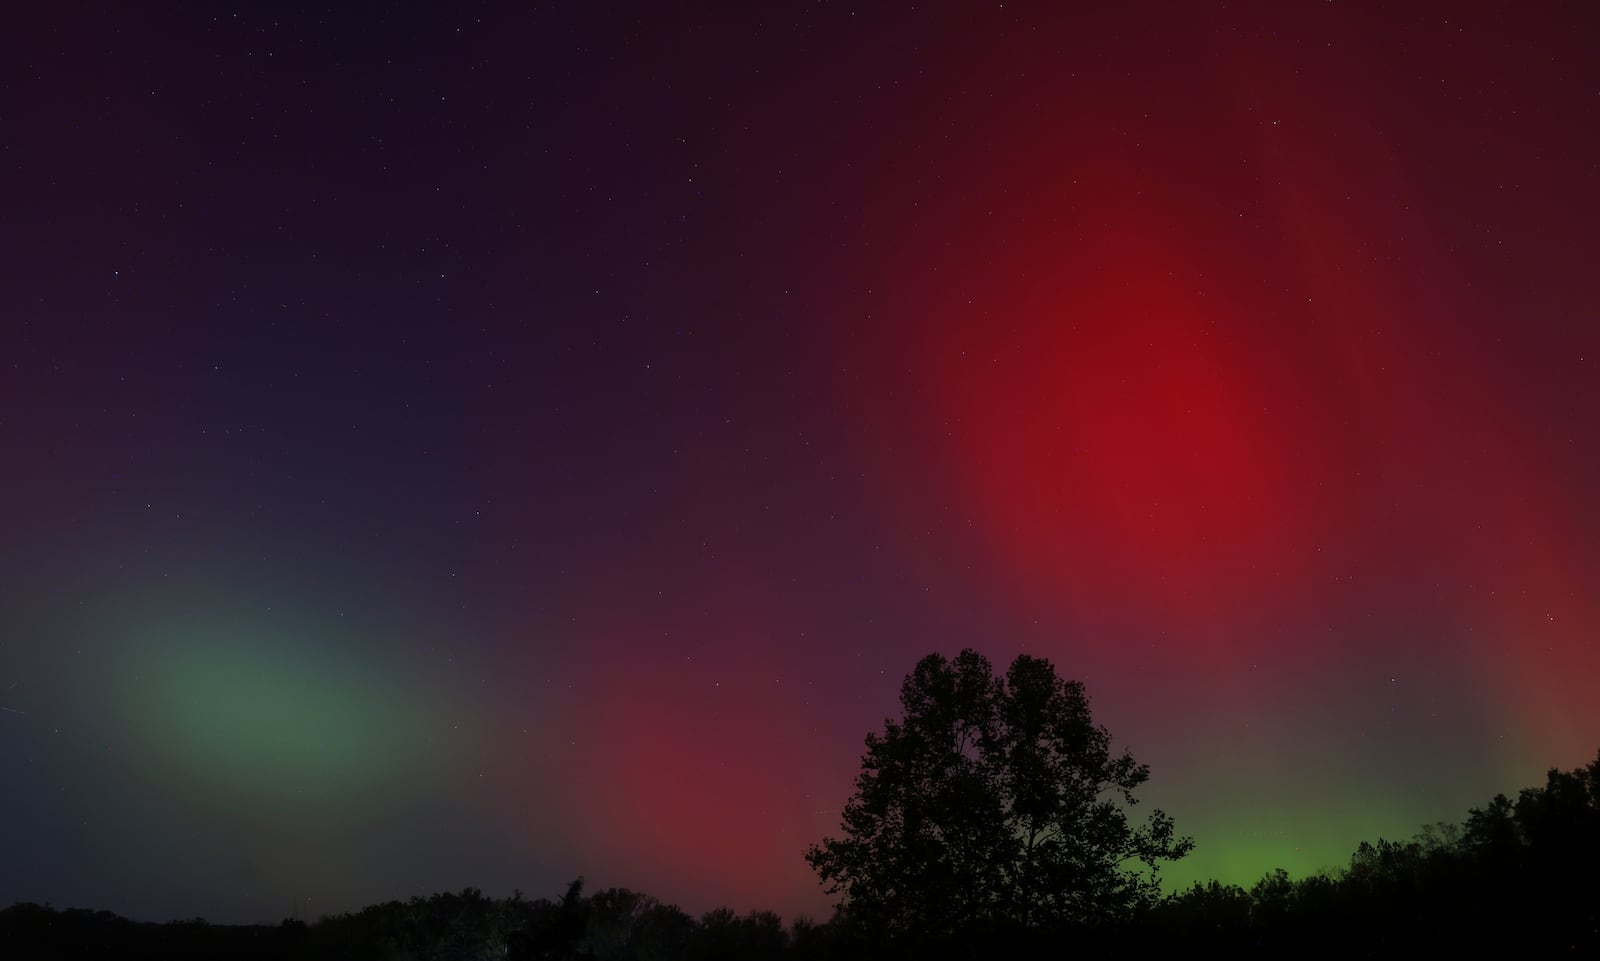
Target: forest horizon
pixel 1512 877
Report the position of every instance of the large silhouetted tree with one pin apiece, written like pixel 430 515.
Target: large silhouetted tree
pixel 993 800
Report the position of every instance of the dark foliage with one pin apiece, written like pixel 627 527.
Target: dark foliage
pixel 1515 880
pixel 993 801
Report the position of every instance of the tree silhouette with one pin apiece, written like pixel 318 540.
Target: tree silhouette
pixel 994 800
pixel 1516 880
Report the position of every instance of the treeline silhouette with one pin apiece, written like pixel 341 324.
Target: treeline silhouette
pixel 1518 878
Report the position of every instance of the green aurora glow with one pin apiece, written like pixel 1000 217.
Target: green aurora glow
pixel 259 712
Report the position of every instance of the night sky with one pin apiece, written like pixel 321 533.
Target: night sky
pixel 488 444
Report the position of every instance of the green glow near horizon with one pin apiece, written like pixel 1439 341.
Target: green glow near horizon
pixel 264 713
pixel 1302 843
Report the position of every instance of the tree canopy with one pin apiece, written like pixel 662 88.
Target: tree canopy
pixel 1515 880
pixel 993 800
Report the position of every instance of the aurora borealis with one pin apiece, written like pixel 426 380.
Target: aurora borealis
pixel 486 445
